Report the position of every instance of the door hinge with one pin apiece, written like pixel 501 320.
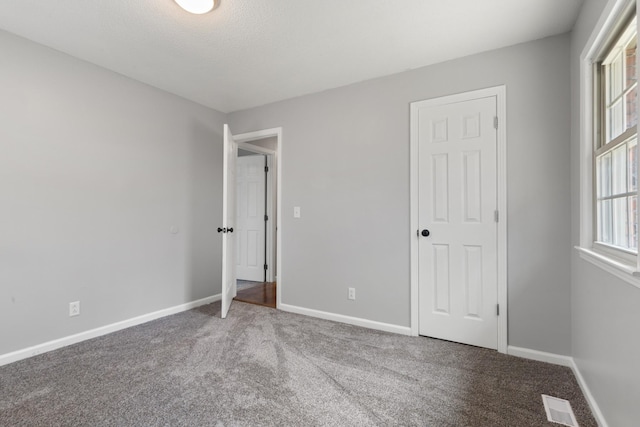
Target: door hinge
pixel 266 217
pixel 498 309
pixel 266 168
pixel 265 267
pixel 496 216
pixel 495 122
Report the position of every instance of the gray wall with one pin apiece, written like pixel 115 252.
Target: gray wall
pixel 270 143
pixel 605 310
pixel 94 170
pixel 346 163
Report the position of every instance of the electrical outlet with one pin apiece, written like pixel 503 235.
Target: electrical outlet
pixel 74 308
pixel 352 293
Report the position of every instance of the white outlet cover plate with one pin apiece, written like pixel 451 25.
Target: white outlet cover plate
pixel 74 308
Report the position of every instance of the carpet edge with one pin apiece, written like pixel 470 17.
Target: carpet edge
pixel 45 347
pixel 569 362
pixel 356 321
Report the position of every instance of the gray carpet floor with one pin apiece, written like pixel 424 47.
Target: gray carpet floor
pixel 263 367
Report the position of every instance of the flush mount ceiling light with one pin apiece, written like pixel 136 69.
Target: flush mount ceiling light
pixel 197 7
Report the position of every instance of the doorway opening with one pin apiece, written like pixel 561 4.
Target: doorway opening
pixel 256 219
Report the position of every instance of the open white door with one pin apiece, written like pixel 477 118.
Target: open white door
pixel 228 221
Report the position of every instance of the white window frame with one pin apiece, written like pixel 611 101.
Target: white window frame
pixel 620 263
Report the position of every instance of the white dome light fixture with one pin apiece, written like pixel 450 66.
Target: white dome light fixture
pixel 198 7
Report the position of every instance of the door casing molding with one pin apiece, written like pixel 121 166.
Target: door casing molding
pixel 500 92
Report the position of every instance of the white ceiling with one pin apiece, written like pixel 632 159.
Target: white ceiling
pixel 252 52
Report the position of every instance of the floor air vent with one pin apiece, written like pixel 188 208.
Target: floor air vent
pixel 559 411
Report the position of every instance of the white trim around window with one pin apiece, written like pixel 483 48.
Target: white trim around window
pixel 622 265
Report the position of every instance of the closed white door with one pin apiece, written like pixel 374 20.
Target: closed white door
pixel 457 218
pixel 250 221
pixel 230 153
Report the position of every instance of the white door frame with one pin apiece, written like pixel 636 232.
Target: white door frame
pixel 274 157
pixel 500 93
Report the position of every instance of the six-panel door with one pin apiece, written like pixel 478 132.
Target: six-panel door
pixel 457 202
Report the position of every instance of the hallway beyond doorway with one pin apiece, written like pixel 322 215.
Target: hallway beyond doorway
pixel 259 293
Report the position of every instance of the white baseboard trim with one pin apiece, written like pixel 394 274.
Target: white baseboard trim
pixel 595 409
pixel 540 356
pixel 371 324
pixel 569 362
pixel 7 358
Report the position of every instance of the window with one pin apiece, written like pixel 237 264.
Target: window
pixel 615 142
pixel 609 144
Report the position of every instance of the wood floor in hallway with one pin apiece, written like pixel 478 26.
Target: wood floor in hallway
pixel 259 293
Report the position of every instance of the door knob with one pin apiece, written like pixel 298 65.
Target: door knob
pixel 425 233
pixel 230 229
pixel 224 230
